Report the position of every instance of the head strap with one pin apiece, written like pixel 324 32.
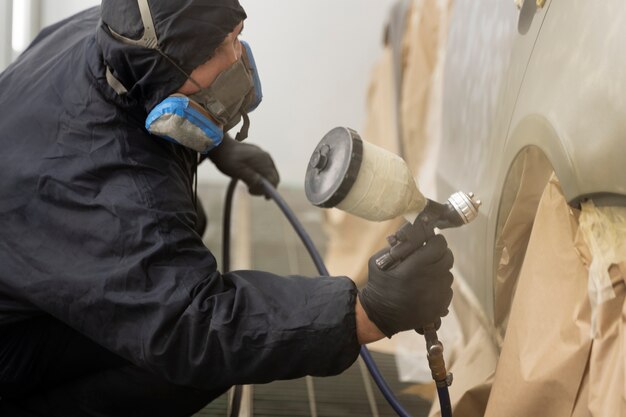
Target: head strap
pixel 148 40
pixel 149 37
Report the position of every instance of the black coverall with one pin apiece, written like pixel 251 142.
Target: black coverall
pixel 110 304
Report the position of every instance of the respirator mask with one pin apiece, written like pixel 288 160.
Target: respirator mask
pixel 234 93
pixel 180 119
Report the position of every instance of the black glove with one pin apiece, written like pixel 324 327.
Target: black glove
pixel 414 293
pixel 246 162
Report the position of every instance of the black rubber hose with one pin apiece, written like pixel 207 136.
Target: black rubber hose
pixel 444 401
pixel 226 223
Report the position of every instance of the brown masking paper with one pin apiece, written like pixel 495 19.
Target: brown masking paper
pixel 604 232
pixel 606 368
pixel 552 363
pixel 549 364
pixel 423 51
pixel 530 172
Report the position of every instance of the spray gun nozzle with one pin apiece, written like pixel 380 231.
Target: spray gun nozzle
pixel 460 209
pixel 466 205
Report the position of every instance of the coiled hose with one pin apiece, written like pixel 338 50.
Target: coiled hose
pixel 443 394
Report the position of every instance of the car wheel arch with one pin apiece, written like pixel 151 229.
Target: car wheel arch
pixel 533 151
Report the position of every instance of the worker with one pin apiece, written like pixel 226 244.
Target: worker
pixel 110 303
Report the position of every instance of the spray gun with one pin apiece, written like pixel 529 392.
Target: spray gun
pixel 370 182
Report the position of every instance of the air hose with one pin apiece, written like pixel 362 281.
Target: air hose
pixel 442 391
pixel 237 393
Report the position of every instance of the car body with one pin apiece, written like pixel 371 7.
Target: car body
pixel 548 79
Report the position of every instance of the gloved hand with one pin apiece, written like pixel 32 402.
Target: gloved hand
pixel 414 293
pixel 246 162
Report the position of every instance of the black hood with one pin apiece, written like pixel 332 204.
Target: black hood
pixel 188 31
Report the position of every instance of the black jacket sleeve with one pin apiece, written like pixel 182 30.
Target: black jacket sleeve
pixel 123 264
pixel 116 256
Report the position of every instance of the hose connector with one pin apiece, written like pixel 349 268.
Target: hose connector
pixel 436 362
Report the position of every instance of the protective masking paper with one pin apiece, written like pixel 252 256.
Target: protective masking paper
pixel 604 231
pixel 549 363
pixel 529 175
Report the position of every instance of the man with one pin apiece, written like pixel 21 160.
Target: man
pixel 110 304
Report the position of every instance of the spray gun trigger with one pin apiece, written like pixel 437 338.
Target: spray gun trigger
pixel 396 253
pixel 410 233
pixel 392 240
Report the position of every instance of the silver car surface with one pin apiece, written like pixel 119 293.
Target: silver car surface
pixel 549 80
